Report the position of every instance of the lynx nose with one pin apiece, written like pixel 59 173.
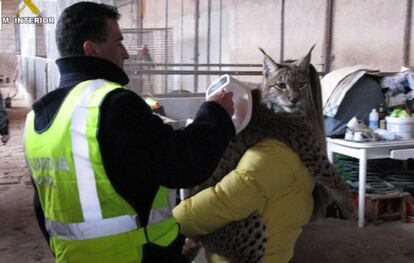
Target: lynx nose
pixel 294 100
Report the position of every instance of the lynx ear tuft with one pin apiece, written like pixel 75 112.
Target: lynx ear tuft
pixel 305 61
pixel 269 65
pixel 261 49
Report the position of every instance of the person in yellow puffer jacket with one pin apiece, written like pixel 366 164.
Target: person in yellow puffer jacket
pixel 271 180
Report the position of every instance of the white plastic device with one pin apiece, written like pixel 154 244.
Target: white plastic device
pixel 242 99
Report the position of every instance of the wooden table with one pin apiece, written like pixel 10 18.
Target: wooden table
pixel 363 151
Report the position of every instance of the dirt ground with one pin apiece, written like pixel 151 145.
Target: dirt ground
pixel 326 241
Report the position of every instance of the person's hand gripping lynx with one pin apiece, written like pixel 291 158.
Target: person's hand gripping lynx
pixel 235 97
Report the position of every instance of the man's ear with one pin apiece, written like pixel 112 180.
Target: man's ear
pixel 89 48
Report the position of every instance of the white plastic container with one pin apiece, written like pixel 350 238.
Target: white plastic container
pixel 403 128
pixel 242 99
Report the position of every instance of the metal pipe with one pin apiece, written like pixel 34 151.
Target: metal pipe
pixel 140 25
pixel 282 31
pixel 196 36
pixel 327 41
pixel 199 72
pixel 220 31
pixel 139 30
pixel 407 35
pixel 208 30
pixel 166 46
pixel 208 35
pixel 206 72
pixel 182 43
pixel 129 63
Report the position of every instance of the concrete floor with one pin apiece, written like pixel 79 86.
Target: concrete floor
pixel 325 241
pixel 20 237
pixel 339 241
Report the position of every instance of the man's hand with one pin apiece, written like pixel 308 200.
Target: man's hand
pixel 190 249
pixel 225 99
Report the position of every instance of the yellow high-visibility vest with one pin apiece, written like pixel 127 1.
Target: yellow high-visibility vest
pixel 88 221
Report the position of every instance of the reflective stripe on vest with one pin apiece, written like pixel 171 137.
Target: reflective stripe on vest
pixel 163 204
pixel 162 227
pixel 87 230
pixel 104 227
pixel 158 215
pixel 91 208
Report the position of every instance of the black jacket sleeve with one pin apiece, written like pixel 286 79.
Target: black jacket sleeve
pixel 140 152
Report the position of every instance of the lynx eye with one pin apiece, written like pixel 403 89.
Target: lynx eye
pixel 303 85
pixel 281 86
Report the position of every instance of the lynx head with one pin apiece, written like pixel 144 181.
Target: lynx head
pixel 284 84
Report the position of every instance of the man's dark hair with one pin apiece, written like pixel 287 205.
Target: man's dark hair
pixel 80 22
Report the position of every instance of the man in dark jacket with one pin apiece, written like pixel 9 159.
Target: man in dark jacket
pixel 139 152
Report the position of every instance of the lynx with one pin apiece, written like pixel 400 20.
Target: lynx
pixel 286 107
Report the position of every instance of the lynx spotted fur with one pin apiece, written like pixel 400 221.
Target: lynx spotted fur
pixel 286 108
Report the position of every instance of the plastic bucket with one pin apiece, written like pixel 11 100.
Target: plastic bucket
pixel 403 128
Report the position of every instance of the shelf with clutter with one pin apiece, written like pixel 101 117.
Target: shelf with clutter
pixel 368 116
